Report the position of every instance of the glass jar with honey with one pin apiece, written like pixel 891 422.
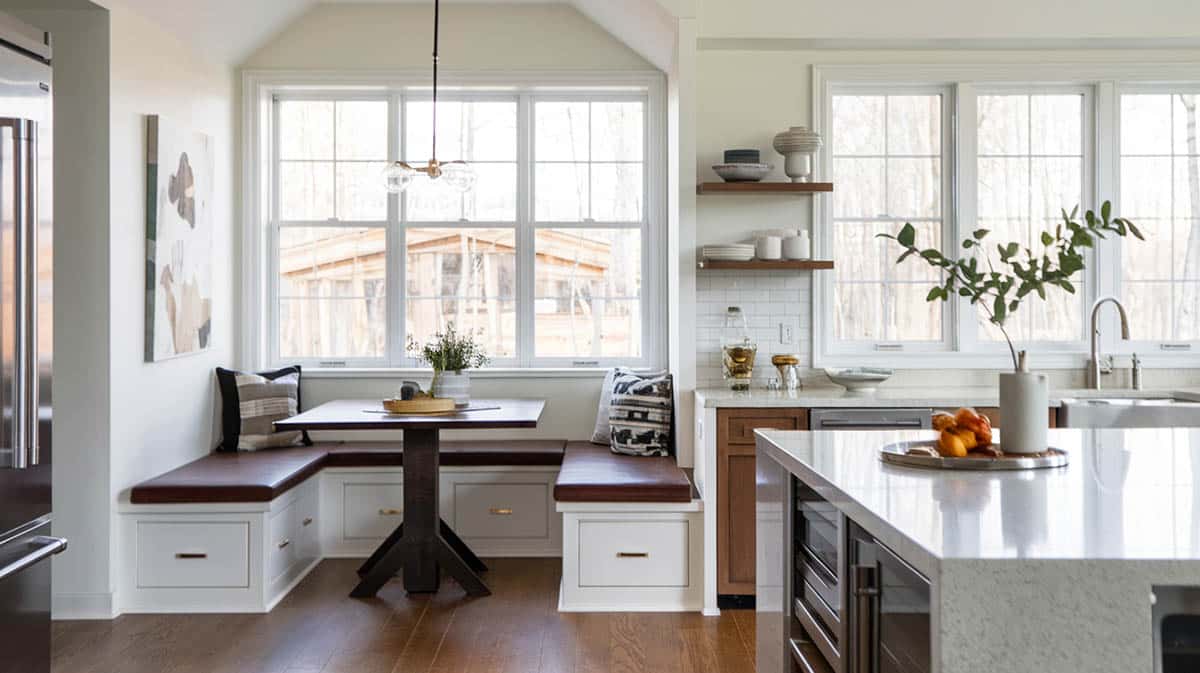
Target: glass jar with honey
pixel 737 350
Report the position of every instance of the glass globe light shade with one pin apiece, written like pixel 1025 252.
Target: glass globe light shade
pixel 397 177
pixel 459 176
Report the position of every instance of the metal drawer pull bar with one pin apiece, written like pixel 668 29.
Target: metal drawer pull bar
pixel 387 511
pixel 191 555
pixel 633 554
pixel 46 546
pixel 285 543
pixel 501 511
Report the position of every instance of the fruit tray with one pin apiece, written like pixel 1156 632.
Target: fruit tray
pixel 898 453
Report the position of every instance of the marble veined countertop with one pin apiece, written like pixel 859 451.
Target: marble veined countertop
pixel 898 396
pixel 1125 494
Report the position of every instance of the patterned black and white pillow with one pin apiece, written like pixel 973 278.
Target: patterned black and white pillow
pixel 250 405
pixel 640 414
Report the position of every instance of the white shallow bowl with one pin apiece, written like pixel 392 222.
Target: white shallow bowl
pixel 742 172
pixel 859 379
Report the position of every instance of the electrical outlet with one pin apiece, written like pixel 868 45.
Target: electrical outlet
pixel 787 333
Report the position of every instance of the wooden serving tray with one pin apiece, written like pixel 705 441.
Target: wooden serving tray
pixel 420 405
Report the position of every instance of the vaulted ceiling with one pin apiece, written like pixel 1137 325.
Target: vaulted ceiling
pixel 228 31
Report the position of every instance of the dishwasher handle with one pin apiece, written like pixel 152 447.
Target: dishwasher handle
pixel 835 424
pixel 872 419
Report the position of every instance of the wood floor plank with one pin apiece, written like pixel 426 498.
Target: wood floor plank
pixel 318 628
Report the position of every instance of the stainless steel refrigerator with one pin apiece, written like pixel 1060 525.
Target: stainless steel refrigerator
pixel 26 347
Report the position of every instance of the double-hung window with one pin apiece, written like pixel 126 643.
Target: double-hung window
pixel 549 260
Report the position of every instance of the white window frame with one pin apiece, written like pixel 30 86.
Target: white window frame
pixel 259 308
pixel 1103 83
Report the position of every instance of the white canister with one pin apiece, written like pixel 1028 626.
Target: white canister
pixel 797 247
pixel 454 385
pixel 768 247
pixel 1024 420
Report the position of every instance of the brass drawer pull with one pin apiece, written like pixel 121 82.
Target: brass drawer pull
pixel 284 543
pixel 501 511
pixel 633 554
pixel 307 521
pixel 387 511
pixel 190 555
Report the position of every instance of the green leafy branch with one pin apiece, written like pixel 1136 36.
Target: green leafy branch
pixel 1023 272
pixel 450 351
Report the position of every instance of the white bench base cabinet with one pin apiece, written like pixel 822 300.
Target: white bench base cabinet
pixel 245 557
pixel 632 557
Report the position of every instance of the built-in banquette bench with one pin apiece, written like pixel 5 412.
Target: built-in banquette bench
pixel 632 533
pixel 234 532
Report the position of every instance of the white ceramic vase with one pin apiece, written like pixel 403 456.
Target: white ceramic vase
pixel 797 145
pixel 1024 421
pixel 454 385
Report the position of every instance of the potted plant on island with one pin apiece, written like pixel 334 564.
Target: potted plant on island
pixel 998 288
pixel 451 355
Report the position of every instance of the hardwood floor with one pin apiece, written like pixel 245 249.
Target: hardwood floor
pixel 319 629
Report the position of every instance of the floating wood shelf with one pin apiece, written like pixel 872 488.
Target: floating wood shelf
pixel 763 187
pixel 767 265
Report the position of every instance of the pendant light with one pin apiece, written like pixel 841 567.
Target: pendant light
pixel 457 174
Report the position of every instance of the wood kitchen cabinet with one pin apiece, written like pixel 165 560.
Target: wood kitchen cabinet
pixel 735 490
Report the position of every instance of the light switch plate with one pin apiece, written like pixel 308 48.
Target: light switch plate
pixel 787 333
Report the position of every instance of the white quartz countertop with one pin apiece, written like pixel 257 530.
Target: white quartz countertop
pixel 1126 495
pixel 915 396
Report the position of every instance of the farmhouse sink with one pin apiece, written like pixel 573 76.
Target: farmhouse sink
pixel 1128 412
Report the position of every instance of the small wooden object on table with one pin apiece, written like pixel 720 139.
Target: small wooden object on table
pixel 420 405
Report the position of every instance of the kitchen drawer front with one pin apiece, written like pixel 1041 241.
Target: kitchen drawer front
pixel 633 553
pixel 502 510
pixel 371 510
pixel 281 542
pixel 308 541
pixel 737 426
pixel 193 554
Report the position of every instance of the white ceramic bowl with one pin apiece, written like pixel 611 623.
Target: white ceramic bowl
pixel 859 379
pixel 742 172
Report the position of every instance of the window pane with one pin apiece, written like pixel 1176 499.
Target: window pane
pixel 1029 171
pixel 889 149
pixel 306 190
pixel 587 292
pixel 360 191
pixel 617 192
pixel 362 131
pixel 306 130
pixel 332 283
pixel 1151 303
pixel 617 131
pixel 561 131
pixel 466 277
pixel 561 192
pixel 1146 124
pixel 858 126
pixel 1185 124
pixel 471 131
pixel 493 199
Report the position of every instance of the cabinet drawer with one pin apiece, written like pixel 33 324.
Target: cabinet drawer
pixel 371 510
pixel 193 554
pixel 308 543
pixel 281 543
pixel 502 510
pixel 633 553
pixel 737 427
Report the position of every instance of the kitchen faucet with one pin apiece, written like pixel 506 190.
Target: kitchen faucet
pixel 1094 363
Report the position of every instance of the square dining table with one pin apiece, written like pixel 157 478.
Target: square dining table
pixel 422 544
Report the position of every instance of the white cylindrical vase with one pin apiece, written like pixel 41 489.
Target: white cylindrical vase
pixel 453 385
pixel 1024 416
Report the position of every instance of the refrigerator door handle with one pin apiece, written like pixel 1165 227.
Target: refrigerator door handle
pixel 44 547
pixel 29 275
pixel 21 207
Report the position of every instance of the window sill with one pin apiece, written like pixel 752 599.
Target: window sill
pixel 1001 361
pixel 425 374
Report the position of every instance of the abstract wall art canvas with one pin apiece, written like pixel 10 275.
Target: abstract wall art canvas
pixel 179 192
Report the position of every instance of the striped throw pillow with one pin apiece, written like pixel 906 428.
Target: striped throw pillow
pixel 640 413
pixel 252 402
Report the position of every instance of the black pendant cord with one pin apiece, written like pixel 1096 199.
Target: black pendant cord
pixel 436 21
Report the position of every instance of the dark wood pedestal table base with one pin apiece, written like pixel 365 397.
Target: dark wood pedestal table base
pixel 423 544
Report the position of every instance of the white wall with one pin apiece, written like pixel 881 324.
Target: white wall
pixel 475 37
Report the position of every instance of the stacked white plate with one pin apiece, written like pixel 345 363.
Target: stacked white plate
pixel 733 252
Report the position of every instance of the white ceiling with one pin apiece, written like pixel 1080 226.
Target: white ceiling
pixel 228 31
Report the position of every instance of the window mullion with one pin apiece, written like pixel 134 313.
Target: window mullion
pixel 963 216
pixel 526 234
pixel 397 256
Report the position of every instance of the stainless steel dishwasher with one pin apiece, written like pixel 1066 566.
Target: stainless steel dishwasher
pixel 871 419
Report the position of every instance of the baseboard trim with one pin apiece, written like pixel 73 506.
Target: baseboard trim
pixel 66 606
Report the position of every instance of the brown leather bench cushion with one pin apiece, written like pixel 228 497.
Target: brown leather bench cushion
pixel 593 473
pixel 262 476
pixel 258 476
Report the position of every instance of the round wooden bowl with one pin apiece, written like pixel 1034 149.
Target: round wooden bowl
pixel 420 405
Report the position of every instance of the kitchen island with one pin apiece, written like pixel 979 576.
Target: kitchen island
pixel 865 566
